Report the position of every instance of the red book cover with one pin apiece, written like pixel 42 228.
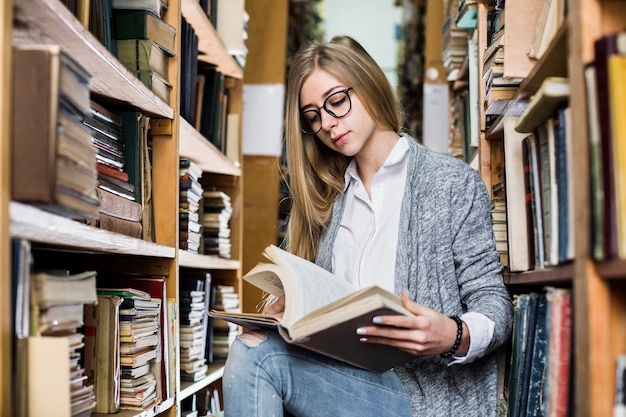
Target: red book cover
pixel 560 348
pixel 113 172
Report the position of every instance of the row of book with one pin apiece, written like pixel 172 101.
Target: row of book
pixel 537 375
pixel 48 322
pixel 100 170
pixel 542 149
pixel 136 33
pixel 606 85
pixel 204 214
pixel 204 403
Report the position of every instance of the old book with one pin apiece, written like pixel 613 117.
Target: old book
pixel 539 357
pixel 102 351
pixel 54 94
pixel 48 374
pixel 604 47
pixel 157 84
pixel 517 230
pixel 114 205
pixel 144 24
pixel 61 287
pixel 115 188
pixel 117 225
pixel 559 368
pixel 143 55
pixel 596 167
pixel 322 311
pixel 111 171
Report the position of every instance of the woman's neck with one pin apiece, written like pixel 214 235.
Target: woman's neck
pixel 373 156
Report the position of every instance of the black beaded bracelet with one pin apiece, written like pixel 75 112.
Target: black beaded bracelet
pixel 459 337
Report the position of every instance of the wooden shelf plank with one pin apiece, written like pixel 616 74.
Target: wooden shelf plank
pixel 193 260
pixel 50 22
pixel 561 274
pixel 36 225
pixel 197 148
pixel 211 49
pixel 216 370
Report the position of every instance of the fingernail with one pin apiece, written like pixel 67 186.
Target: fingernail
pixel 360 330
pixel 377 320
pixel 363 339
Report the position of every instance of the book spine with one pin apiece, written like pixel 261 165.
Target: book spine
pixel 120 207
pixel 122 226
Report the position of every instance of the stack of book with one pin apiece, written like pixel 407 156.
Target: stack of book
pixel 119 210
pixel 59 299
pixel 498 223
pixel 144 43
pixel 454 47
pixel 190 230
pixel 194 305
pixel 224 332
pixel 498 218
pixel 54 161
pixel 215 222
pixel 139 341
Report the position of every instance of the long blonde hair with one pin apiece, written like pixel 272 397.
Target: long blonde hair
pixel 315 173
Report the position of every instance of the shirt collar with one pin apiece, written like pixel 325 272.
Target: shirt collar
pixel 397 154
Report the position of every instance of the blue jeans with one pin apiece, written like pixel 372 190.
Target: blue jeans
pixel 271 377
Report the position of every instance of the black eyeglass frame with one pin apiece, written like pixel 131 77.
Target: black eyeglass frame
pixel 304 121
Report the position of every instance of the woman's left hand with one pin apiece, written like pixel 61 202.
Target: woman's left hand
pixel 426 333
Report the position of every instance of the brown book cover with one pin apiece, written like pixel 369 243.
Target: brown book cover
pixel 117 225
pixel 116 206
pixel 46 78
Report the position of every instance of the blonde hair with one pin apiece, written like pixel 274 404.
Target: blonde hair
pixel 315 173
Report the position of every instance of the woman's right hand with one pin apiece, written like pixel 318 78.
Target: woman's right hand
pixel 277 308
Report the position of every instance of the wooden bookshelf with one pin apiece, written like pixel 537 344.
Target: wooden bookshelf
pixel 598 287
pixel 58 240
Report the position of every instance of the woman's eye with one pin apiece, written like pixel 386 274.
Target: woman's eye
pixel 311 116
pixel 338 101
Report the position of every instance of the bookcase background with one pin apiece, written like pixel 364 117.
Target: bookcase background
pixel 72 243
pixel 598 287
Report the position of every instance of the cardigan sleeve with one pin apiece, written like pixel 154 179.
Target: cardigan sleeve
pixel 477 263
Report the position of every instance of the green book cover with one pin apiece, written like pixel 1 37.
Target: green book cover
pixel 143 24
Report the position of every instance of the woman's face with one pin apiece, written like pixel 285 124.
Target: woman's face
pixel 348 134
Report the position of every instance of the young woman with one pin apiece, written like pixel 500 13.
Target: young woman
pixel 375 207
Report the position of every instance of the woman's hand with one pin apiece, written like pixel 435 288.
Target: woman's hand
pixel 277 308
pixel 426 333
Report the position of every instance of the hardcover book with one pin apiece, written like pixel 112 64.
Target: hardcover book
pixel 47 121
pixel 322 311
pixel 143 55
pixel 144 24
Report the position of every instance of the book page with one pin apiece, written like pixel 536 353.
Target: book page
pixel 307 286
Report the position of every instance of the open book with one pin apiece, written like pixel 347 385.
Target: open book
pixel 322 311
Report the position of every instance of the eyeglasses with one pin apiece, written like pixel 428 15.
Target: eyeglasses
pixel 338 104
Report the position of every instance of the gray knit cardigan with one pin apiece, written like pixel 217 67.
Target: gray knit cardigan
pixel 446 258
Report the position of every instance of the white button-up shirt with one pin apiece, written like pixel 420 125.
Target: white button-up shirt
pixel 365 249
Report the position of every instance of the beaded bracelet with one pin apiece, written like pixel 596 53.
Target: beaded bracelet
pixel 459 337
